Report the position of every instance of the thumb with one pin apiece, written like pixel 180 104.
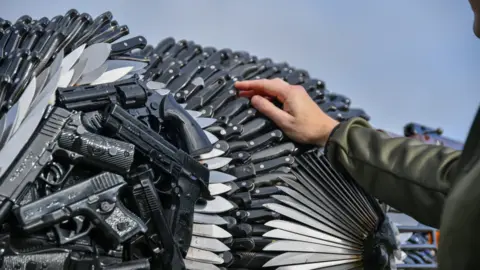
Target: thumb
pixel 278 116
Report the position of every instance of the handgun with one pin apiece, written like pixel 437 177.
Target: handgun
pixel 64 136
pixel 95 198
pixel 189 177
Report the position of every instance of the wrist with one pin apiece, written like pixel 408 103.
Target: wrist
pixel 327 130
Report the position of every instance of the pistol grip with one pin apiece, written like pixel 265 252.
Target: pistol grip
pixel 188 192
pixel 193 137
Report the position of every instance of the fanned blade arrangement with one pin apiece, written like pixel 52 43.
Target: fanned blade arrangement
pixel 116 154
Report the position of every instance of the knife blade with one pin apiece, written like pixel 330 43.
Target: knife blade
pixel 212 138
pixel 210 230
pixel 252 169
pixel 77 71
pixel 274 152
pixel 204 256
pixel 217 189
pixel 205 122
pixel 91 76
pixel 136 65
pixel 219 177
pixel 231 109
pixel 56 65
pixel 6 124
pixel 42 80
pixel 208 219
pixel 296 246
pixel 112 75
pixel 292 258
pixel 212 154
pixel 209 244
pixel 23 105
pixel 216 163
pixel 215 206
pixel 65 78
pixel 194 265
pixel 95 56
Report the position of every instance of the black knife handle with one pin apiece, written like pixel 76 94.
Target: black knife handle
pixel 261 216
pixel 114 34
pixel 67 19
pixel 4 24
pixel 265 192
pixel 3 42
pixel 241 230
pixel 193 50
pixel 18 58
pixel 255 127
pixel 48 50
pixel 238 146
pixel 265 139
pixel 43 41
pixel 222 146
pixel 241 199
pixel 271 179
pixel 32 37
pixel 209 71
pixel 269 165
pixel 258 203
pixel 19 32
pixel 251 260
pixel 53 23
pixel 168 76
pixel 124 46
pixel 283 149
pixel 243 172
pixel 188 91
pixel 164 45
pixel 245 185
pixel 240 157
pixel 221 99
pixel 192 136
pixel 186 76
pixel 42 22
pixel 98 23
pixel 208 92
pixel 219 57
pixel 231 109
pixel 23 78
pixel 243 117
pixel 243 244
pixel 175 49
pixel 73 30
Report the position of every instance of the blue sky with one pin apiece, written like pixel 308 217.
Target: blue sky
pixel 401 61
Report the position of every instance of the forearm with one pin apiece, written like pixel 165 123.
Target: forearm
pixel 407 174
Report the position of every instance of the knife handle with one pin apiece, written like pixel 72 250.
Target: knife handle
pixel 188 91
pixel 271 179
pixel 124 46
pixel 240 157
pixel 3 42
pixel 42 22
pixel 67 19
pixel 243 117
pixel 111 35
pixel 231 109
pixel 243 172
pixel 209 71
pixel 168 76
pixel 98 23
pixel 265 192
pixel 261 216
pixel 22 78
pixel 241 230
pixel 242 199
pixel 243 244
pixel 265 139
pixel 274 152
pixel 175 49
pixel 258 204
pixel 222 99
pixel 193 137
pixel 219 56
pixel 222 146
pixel 251 260
pixel 255 126
pixel 238 146
pixel 32 37
pixel 53 23
pixel 185 77
pixel 164 45
pixel 269 165
pixel 200 99
pixel 245 185
pixel 193 50
pixel 48 50
pixel 18 58
pixel 19 31
pixel 74 28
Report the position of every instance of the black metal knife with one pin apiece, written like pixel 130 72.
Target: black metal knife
pixel 283 149
pixel 18 33
pixel 32 37
pixel 231 109
pixel 251 170
pixel 113 35
pixel 98 23
pixel 164 45
pixel 219 57
pixel 124 46
pixel 221 99
pixel 244 116
pixel 207 93
pixel 175 49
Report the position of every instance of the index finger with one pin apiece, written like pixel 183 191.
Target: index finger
pixel 277 88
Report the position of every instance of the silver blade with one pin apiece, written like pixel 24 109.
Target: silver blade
pixel 302 218
pixel 23 134
pixel 72 58
pixel 216 163
pixel 217 205
pixel 212 138
pixel 78 70
pixel 313 266
pixel 162 92
pixel 285 235
pixel 217 189
pixel 65 78
pixel 24 104
pixel 212 231
pixel 153 85
pixel 290 258
pixel 204 256
pixel 297 246
pixel 194 114
pixel 220 177
pixel 56 64
pixel 42 79
pixel 112 75
pixel 96 55
pixel 193 265
pixel 208 219
pixel 93 75
pixel 212 154
pixel 6 124
pixel 183 105
pixel 303 230
pixel 209 244
pixel 205 122
pixel 136 65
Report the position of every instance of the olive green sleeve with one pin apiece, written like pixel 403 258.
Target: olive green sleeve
pixel 407 174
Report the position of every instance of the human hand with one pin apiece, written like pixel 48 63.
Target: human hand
pixel 301 119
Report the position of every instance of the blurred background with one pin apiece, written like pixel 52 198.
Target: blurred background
pixel 400 61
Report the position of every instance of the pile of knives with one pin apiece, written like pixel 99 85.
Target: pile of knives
pixel 275 204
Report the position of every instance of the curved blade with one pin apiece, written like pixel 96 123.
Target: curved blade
pixel 153 85
pixel 212 154
pixel 112 75
pixel 296 246
pixel 212 231
pixel 56 64
pixel 65 78
pixel 303 230
pixel 136 65
pixel 204 256
pixel 219 177
pixel 78 70
pixel 209 244
pixel 216 163
pixel 194 114
pixel 212 138
pixel 72 58
pixel 289 258
pixel 281 234
pixel 92 76
pixel 6 124
pixel 96 55
pixel 46 93
pixel 24 104
pixel 208 219
pixel 217 205
pixel 42 80
pixel 162 92
pixel 217 189
pixel 193 265
pixel 320 265
pixel 204 122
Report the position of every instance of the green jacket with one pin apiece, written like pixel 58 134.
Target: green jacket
pixel 436 185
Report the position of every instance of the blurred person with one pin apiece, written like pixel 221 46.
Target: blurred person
pixel 437 185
